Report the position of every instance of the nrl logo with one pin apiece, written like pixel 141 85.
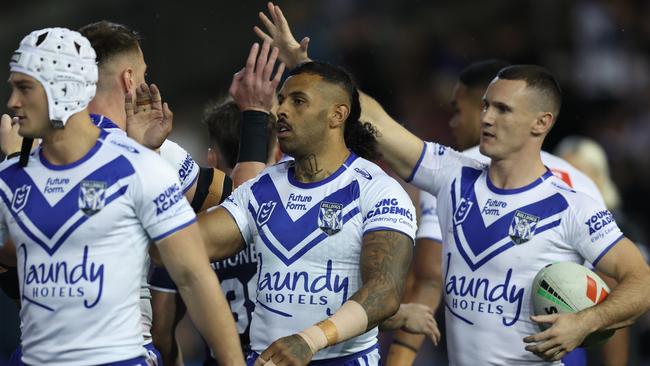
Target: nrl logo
pixel 461 212
pixel 264 214
pixel 330 217
pixel 20 198
pixel 522 227
pixel 92 195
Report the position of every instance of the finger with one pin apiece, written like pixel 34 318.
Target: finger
pixel 281 21
pixel 156 99
pixel 543 346
pixel 5 123
pixel 552 352
pixel 262 58
pixel 260 361
pixel 168 115
pixel 250 62
pixel 278 75
pixel 270 27
pixel 545 319
pixel 260 33
pixel 272 10
pixel 268 68
pixel 304 44
pixel 538 337
pixel 128 104
pixel 559 355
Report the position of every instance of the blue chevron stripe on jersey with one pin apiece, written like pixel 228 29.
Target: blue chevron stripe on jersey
pixel 481 238
pixel 48 219
pixel 290 233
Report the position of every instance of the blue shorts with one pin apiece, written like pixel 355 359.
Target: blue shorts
pixel 16 360
pixel 161 281
pixel 153 354
pixel 577 357
pixel 367 357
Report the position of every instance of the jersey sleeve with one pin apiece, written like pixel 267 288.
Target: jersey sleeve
pixel 159 200
pixel 429 225
pixel 591 228
pixel 437 165
pixel 386 206
pixel 237 205
pixel 182 163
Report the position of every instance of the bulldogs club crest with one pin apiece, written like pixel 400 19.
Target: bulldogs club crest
pixel 522 227
pixel 264 214
pixel 92 195
pixel 330 217
pixel 20 198
pixel 461 212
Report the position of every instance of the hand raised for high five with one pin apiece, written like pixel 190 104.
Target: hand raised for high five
pixel 150 121
pixel 253 88
pixel 278 32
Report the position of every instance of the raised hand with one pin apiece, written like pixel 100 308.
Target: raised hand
pixel 10 140
pixel 150 121
pixel 254 87
pixel 290 351
pixel 278 32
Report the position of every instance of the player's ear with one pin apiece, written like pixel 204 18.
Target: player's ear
pixel 339 114
pixel 127 80
pixel 543 123
pixel 213 157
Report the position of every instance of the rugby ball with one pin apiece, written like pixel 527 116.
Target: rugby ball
pixel 568 287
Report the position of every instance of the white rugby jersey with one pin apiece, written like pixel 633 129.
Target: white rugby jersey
pixel 308 237
pixel 496 240
pixel 187 171
pixel 429 226
pixel 81 233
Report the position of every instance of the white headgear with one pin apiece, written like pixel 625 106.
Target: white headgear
pixel 63 61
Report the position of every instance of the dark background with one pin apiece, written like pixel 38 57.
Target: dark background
pixel 405 53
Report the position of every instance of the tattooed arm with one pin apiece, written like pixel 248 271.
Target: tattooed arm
pixel 385 258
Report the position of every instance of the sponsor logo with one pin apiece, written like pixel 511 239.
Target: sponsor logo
pixel 264 214
pixel 20 198
pixel 389 206
pixel 186 168
pixel 461 212
pixel 297 202
pixel 92 196
pixel 484 295
pixel 56 185
pixel 128 148
pixel 300 287
pixel 441 150
pixel 62 279
pixel 522 228
pixel 168 198
pixel 493 207
pixel 364 173
pixel 330 217
pixel 599 220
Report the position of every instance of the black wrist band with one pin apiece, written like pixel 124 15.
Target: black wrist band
pixel 408 346
pixel 253 145
pixel 13 155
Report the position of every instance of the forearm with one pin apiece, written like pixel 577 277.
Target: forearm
pixel 211 315
pixel 400 149
pixel 623 306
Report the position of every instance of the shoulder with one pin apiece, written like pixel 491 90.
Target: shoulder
pixel 140 157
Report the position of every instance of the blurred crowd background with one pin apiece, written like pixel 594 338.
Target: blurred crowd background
pixel 405 53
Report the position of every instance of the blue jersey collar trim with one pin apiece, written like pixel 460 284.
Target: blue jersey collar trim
pixel 292 179
pixel 532 185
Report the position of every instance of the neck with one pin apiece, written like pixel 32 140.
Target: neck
pixel 509 174
pixel 317 166
pixel 109 104
pixel 70 144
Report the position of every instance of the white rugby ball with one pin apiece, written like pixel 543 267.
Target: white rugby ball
pixel 568 287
